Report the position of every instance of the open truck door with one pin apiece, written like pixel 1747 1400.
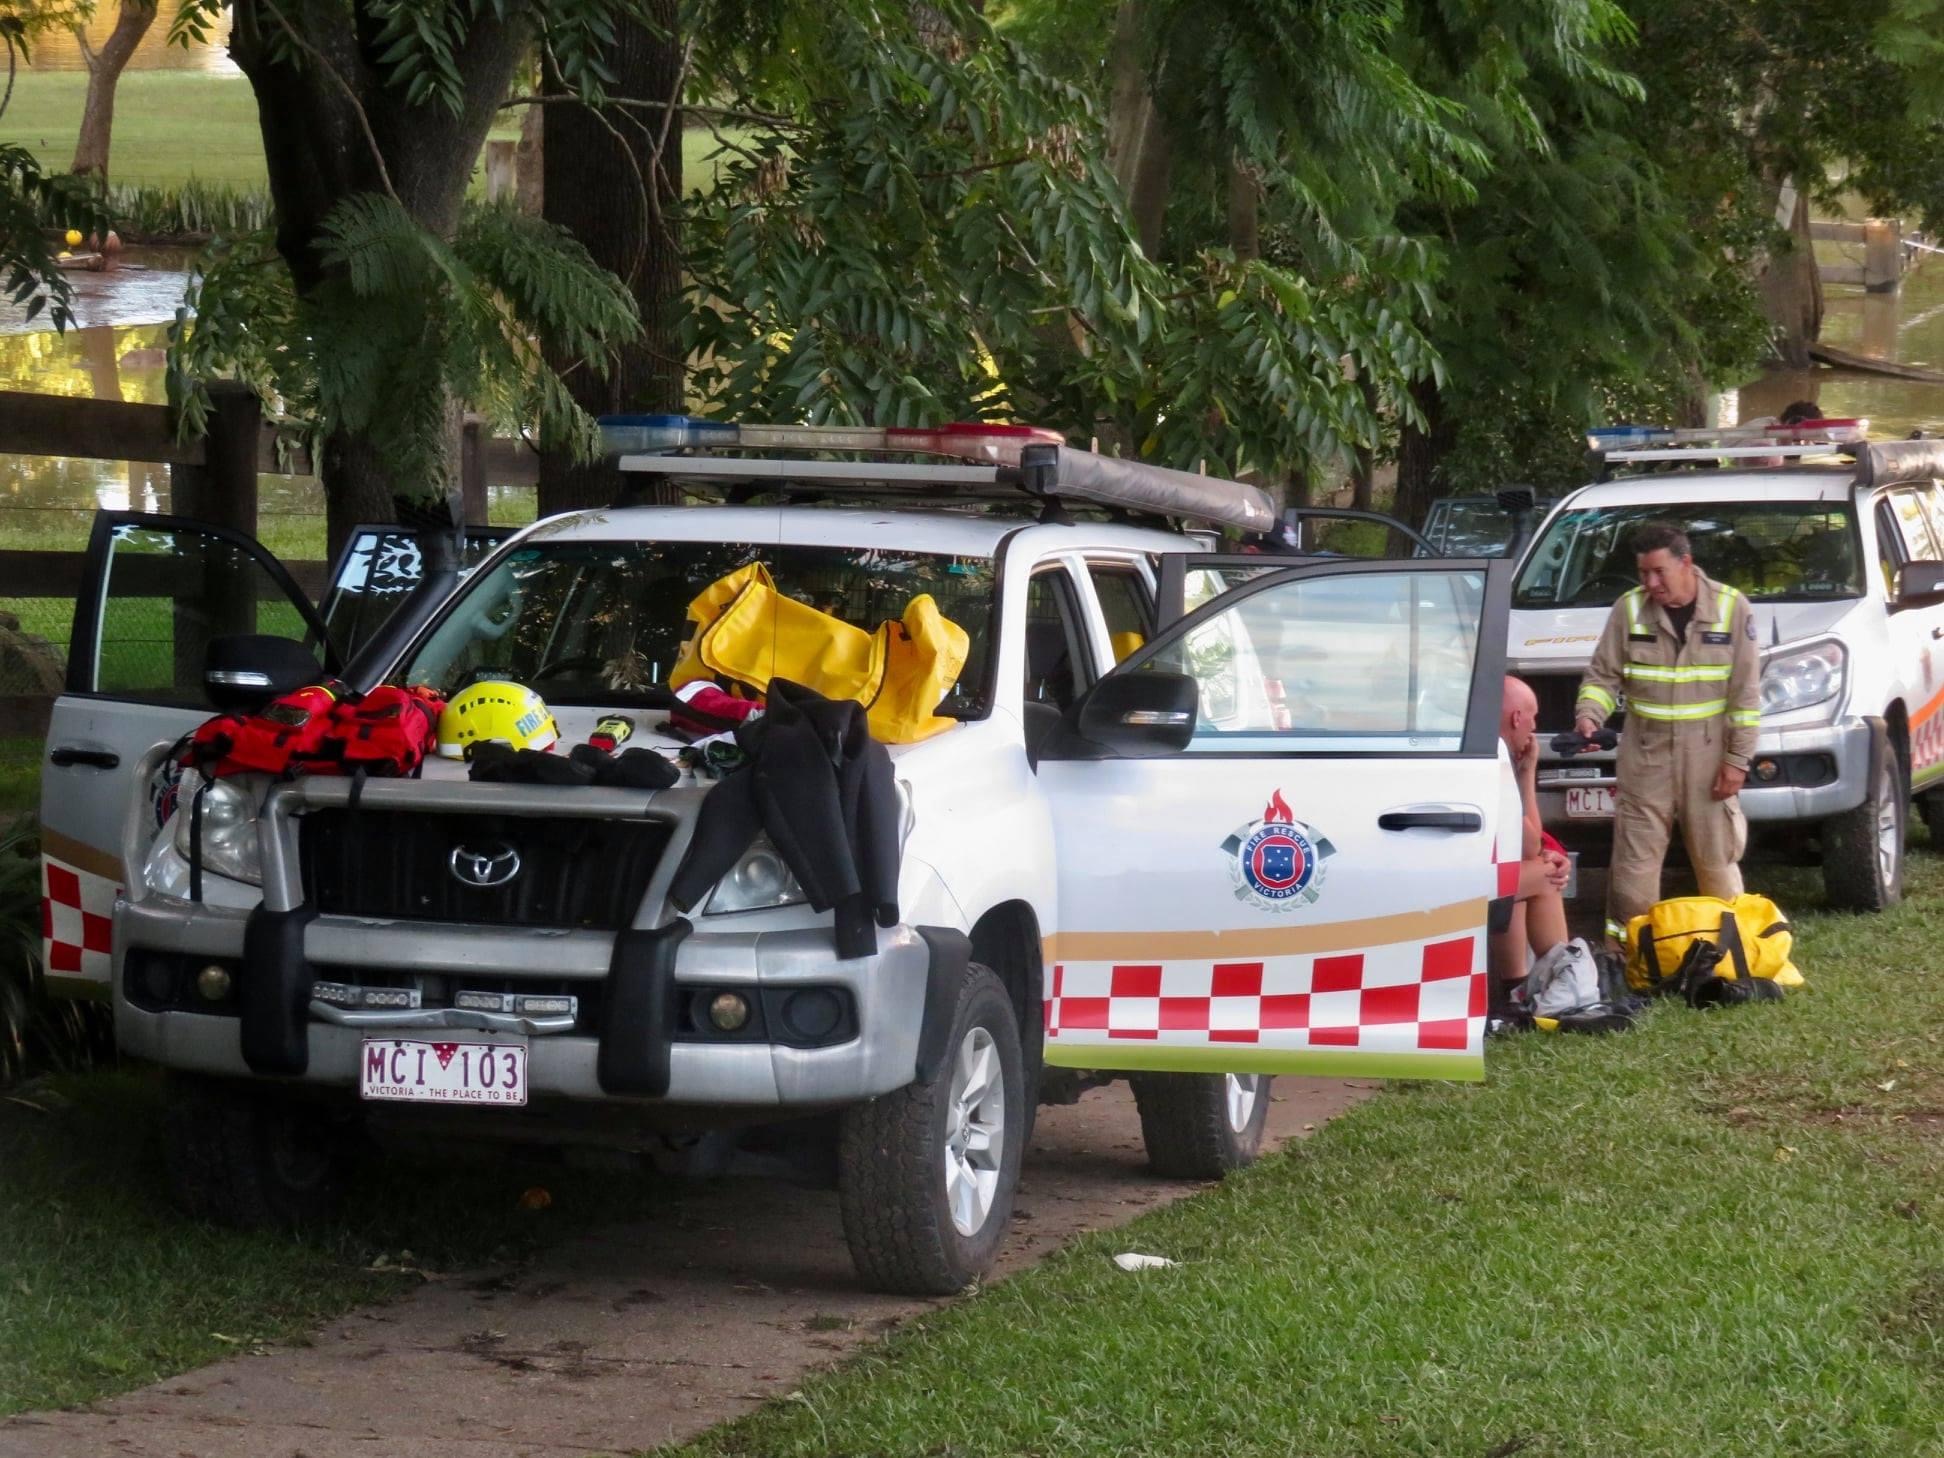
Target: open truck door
pixel 157 590
pixel 1280 827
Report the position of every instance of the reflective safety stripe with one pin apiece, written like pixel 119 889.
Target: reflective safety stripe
pixel 1693 673
pixel 1616 931
pixel 1744 716
pixel 1592 693
pixel 1725 609
pixel 1682 712
pixel 1632 600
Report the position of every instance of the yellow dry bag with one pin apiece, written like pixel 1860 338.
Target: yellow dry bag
pixel 1753 935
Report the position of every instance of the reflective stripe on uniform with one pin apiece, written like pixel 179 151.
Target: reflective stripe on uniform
pixel 1693 673
pixel 1632 599
pixel 1616 931
pixel 1725 607
pixel 1744 717
pixel 1592 693
pixel 1673 712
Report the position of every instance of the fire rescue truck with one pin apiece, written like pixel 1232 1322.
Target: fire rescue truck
pixel 1839 545
pixel 1197 819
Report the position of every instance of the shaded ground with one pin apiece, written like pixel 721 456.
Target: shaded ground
pixel 637 1335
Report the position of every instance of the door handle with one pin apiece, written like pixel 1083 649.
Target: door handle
pixel 67 754
pixel 1430 820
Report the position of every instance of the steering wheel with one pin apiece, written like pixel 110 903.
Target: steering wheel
pixel 570 662
pixel 1615 578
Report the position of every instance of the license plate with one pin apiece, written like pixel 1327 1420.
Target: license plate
pixel 417 1071
pixel 1589 802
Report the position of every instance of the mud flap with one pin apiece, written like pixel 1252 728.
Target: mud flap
pixel 950 952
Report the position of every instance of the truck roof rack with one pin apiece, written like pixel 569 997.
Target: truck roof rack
pixel 973 464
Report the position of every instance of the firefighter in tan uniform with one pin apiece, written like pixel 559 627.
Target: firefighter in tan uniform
pixel 1681 649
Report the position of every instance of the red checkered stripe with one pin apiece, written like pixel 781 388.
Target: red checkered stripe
pixel 77 921
pixel 1409 997
pixel 1927 742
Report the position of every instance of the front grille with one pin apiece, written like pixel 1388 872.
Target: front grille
pixel 1557 693
pixel 573 872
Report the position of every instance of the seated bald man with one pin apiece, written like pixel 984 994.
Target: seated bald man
pixel 1539 915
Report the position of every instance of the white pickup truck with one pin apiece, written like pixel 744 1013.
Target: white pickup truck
pixel 1265 842
pixel 1839 545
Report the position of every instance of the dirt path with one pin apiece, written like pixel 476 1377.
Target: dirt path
pixel 639 1335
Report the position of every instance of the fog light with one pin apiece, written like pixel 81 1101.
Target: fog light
pixel 1766 770
pixel 728 1011
pixel 213 982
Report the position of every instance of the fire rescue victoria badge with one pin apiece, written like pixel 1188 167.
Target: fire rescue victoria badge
pixel 1277 862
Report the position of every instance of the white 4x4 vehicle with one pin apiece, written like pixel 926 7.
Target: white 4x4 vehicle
pixel 1843 561
pixel 1264 843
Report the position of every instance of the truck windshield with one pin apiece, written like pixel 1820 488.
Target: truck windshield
pixel 1775 551
pixel 603 622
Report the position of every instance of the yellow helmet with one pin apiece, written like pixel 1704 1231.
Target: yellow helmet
pixel 494 711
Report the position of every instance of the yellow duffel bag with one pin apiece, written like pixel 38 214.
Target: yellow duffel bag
pixel 1753 934
pixel 748 631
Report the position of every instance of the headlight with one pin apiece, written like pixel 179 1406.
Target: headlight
pixel 1803 678
pixel 229 830
pixel 758 880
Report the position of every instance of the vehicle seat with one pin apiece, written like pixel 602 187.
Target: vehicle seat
pixel 1049 664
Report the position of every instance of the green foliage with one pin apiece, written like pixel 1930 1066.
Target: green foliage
pixel 190 210
pixel 403 325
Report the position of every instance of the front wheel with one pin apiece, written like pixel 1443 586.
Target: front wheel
pixel 1199 1126
pixel 248 1157
pixel 1863 849
pixel 926 1175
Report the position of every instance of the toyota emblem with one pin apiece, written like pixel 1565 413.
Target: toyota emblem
pixel 492 865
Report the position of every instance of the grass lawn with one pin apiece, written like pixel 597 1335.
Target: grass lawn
pixel 1719 1234
pixel 174 125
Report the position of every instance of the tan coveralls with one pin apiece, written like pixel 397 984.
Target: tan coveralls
pixel 1692 707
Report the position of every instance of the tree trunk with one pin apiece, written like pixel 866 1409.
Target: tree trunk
pixel 1792 295
pixel 104 72
pixel 1137 144
pixel 1244 207
pixel 332 128
pixel 1420 456
pixel 592 163
pixel 1363 465
pixel 529 184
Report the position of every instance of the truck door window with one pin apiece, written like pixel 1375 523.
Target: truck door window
pixel 1126 605
pixel 1057 665
pixel 167 593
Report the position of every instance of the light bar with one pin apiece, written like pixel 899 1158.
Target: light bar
pixel 1772 450
pixel 997 445
pixel 1614 440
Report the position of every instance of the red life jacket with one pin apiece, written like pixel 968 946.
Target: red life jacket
pixel 388 732
pixel 291 729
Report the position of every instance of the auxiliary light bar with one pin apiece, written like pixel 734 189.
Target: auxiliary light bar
pixel 1619 442
pixel 991 445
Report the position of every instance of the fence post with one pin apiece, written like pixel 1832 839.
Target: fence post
pixel 472 470
pixel 222 491
pixel 1882 255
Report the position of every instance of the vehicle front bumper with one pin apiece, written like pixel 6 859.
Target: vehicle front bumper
pixel 888 991
pixel 1834 758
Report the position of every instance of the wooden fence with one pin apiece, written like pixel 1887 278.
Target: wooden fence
pixel 213 479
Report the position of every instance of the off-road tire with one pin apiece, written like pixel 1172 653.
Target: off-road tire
pixel 250 1157
pixel 1186 1125
pixel 1854 877
pixel 892 1153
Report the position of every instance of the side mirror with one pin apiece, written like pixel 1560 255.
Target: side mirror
pixel 246 670
pixel 1919 584
pixel 1134 715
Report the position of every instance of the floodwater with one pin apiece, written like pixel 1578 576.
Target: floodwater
pixel 57 51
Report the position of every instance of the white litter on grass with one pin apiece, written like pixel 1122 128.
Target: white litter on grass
pixel 1131 1261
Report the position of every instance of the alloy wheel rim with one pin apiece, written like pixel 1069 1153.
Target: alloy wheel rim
pixel 975 1132
pixel 1240 1092
pixel 1887 828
